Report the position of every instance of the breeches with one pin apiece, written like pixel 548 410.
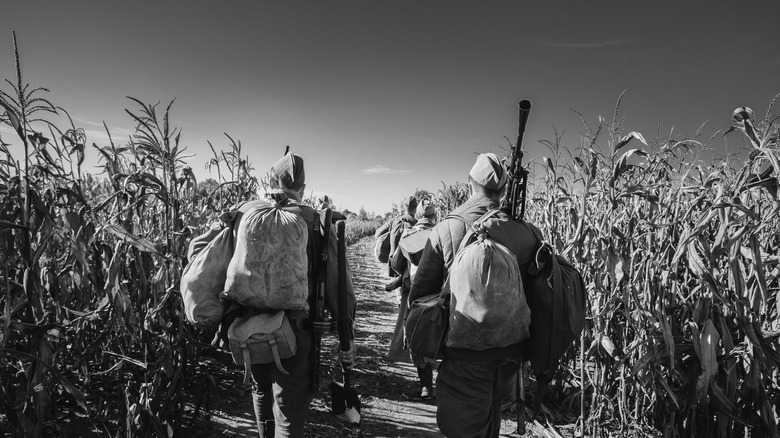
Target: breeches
pixel 285 398
pixel 469 397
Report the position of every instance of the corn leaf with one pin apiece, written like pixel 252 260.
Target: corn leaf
pixel 141 243
pixel 624 141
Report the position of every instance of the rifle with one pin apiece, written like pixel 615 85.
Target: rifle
pixel 345 401
pixel 319 302
pixel 513 203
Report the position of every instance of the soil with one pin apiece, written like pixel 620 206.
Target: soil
pixel 387 410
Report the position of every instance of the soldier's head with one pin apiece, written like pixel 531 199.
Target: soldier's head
pixel 426 209
pixel 411 205
pixel 288 175
pixel 488 176
pixel 324 202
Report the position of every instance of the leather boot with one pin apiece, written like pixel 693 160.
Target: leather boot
pixel 425 375
pixel 265 428
pixel 394 284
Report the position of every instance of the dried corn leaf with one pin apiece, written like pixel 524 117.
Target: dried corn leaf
pixel 141 243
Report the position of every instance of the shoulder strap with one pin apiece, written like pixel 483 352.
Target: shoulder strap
pixel 472 227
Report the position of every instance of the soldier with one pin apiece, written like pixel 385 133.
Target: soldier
pixel 472 384
pixel 281 401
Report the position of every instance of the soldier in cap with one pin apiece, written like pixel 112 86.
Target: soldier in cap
pixel 471 384
pixel 406 265
pixel 281 401
pixel 397 227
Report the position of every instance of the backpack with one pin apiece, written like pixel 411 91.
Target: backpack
pixel 204 276
pixel 269 268
pixel 398 228
pixel 382 243
pixel 556 295
pixel 488 306
pixel 261 339
pixel 413 243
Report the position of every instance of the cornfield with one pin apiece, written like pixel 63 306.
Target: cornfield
pixel 679 250
pixel 93 331
pixel 680 256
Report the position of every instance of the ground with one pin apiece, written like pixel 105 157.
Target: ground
pixel 383 386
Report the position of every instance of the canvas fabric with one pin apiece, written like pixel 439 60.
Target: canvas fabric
pixel 488 307
pixel 203 279
pixel 269 268
pixel 262 339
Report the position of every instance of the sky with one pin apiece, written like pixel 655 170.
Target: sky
pixel 382 98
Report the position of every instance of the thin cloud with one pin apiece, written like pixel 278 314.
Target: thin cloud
pixel 592 45
pixel 585 45
pixel 379 169
pixel 99 135
pixel 84 121
pixel 119 135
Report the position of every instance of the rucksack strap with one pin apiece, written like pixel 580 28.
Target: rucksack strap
pixel 471 226
pixel 275 352
pixel 247 363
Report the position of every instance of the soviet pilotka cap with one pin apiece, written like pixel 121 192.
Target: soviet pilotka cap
pixel 289 171
pixel 411 205
pixel 489 172
pixel 425 209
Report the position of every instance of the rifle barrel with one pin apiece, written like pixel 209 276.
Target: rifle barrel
pixel 524 108
pixel 515 198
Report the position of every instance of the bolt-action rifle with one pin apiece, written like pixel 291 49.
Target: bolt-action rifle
pixel 513 203
pixel 319 302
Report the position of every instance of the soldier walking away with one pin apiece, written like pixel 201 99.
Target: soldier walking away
pixel 472 383
pixel 406 265
pixel 397 227
pixel 281 395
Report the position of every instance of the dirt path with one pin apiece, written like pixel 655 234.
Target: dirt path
pixel 383 385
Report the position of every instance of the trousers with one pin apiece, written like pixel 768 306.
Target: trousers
pixel 282 399
pixel 469 396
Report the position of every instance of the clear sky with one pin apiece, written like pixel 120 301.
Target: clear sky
pixel 384 97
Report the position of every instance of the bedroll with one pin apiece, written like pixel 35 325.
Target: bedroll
pixel 204 278
pixel 382 243
pixel 269 266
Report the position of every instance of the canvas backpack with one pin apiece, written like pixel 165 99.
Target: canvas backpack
pixel 269 268
pixel 556 295
pixel 262 339
pixel 488 306
pixel 382 243
pixel 203 279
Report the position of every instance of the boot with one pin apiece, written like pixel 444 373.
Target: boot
pixel 425 374
pixel 394 284
pixel 265 428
